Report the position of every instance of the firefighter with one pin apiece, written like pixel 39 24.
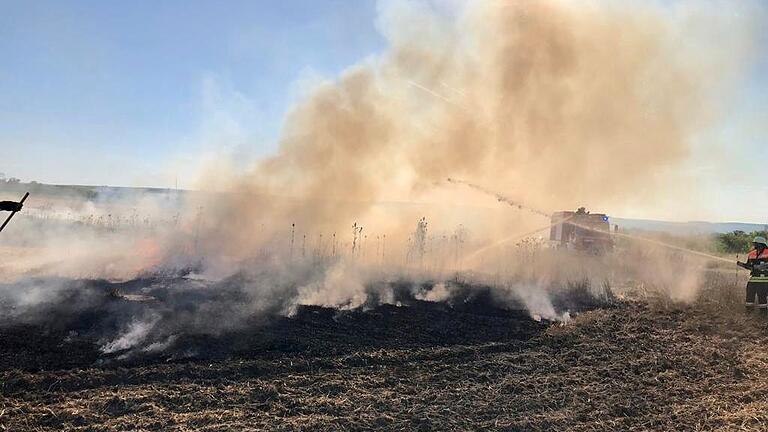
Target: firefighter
pixel 11 206
pixel 757 263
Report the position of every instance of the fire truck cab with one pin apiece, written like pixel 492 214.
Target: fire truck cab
pixel 581 230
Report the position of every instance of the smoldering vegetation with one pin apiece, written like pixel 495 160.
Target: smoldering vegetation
pixel 181 317
pixel 178 314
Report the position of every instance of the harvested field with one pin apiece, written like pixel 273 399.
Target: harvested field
pixel 629 365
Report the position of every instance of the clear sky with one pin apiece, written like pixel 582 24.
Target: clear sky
pixel 110 92
pixel 97 92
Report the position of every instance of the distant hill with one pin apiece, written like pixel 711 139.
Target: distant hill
pixel 694 227
pixel 8 190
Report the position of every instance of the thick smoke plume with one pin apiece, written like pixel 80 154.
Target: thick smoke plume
pixel 553 102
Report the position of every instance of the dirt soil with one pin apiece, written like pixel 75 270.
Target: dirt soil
pixel 426 366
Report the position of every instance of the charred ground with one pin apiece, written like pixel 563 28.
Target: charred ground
pixel 460 364
pixel 73 332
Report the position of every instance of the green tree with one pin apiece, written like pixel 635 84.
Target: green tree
pixel 736 241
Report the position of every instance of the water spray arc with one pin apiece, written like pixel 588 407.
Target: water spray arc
pixel 521 206
pixel 501 198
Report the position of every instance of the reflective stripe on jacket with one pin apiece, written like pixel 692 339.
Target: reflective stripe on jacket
pixel 754 260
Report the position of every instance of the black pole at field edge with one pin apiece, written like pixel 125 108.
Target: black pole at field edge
pixel 10 216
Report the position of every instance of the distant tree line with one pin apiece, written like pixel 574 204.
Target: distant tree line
pixel 9 180
pixel 737 241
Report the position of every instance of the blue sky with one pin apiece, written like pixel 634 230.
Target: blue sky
pixel 109 92
pixel 96 92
